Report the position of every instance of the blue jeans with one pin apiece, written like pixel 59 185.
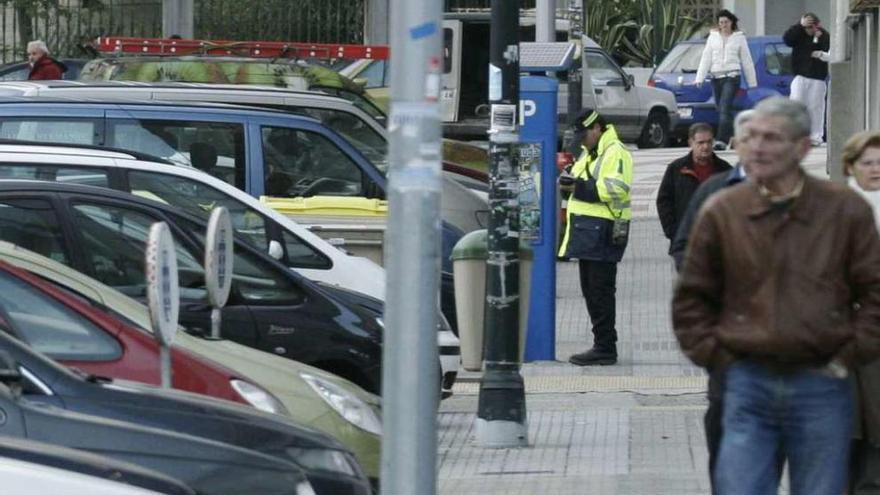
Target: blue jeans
pixel 805 415
pixel 724 89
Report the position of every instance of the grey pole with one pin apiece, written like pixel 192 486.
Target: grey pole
pixel 376 17
pixel 501 411
pixel 177 18
pixel 575 74
pixel 545 23
pixel 410 377
pixel 165 365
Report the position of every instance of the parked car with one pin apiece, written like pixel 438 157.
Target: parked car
pixel 102 233
pixel 280 155
pixel 76 334
pixel 209 467
pixel 676 73
pixel 196 193
pixel 28 467
pixel 329 467
pixel 19 71
pixel 310 396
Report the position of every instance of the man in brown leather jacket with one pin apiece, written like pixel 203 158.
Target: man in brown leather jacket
pixel 781 287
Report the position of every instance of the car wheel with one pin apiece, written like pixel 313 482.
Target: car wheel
pixel 655 134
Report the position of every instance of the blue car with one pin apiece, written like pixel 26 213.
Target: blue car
pixel 676 73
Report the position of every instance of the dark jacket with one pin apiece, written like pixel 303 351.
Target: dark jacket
pixel 780 285
pixel 712 185
pixel 47 68
pixel 802 46
pixel 678 185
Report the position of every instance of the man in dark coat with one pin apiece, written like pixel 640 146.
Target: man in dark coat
pixel 684 176
pixel 43 67
pixel 809 44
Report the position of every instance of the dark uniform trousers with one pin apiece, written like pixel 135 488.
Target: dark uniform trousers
pixel 599 287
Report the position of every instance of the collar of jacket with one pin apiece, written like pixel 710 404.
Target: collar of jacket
pixel 801 208
pixel 608 138
pixel 687 168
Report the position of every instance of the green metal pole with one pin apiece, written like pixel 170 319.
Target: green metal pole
pixel 501 415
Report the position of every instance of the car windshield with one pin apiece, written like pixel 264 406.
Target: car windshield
pixel 684 57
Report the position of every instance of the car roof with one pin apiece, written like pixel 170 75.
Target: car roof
pixel 80 150
pixel 206 107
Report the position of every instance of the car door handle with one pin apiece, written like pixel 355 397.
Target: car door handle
pixel 598 91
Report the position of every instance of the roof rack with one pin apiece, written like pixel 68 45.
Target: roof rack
pixel 268 49
pixel 137 155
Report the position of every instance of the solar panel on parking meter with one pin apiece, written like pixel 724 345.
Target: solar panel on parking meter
pixel 163 293
pixel 218 264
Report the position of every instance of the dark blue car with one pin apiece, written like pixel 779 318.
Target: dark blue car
pixel 697 104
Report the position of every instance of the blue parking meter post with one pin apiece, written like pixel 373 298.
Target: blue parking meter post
pixel 538 114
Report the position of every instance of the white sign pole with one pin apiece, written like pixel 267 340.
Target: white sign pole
pixel 163 293
pixel 218 264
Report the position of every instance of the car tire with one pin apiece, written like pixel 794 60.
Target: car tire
pixel 655 134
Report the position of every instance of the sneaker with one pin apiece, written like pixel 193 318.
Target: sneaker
pixel 719 146
pixel 594 357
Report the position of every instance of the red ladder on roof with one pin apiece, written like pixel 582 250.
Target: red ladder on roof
pixel 269 49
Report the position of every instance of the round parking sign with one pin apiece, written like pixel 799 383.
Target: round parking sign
pixel 218 257
pixel 162 289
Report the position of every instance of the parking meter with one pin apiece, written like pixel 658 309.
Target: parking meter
pixel 163 293
pixel 218 264
pixel 538 217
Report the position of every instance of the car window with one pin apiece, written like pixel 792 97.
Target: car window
pixel 114 244
pixel 601 69
pixel 255 279
pixel 213 147
pixel 302 163
pixel 17 75
pixel 357 132
pixel 302 255
pixel 33 225
pixel 684 57
pixel 69 175
pixel 46 130
pixel 51 327
pixel 777 58
pixel 374 74
pixel 359 100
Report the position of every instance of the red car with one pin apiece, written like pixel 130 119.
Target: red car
pixel 69 329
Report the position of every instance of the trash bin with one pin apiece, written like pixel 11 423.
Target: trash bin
pixel 469 269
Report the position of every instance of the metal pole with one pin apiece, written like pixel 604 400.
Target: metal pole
pixel 658 32
pixel 410 378
pixel 165 365
pixel 376 29
pixel 545 23
pixel 215 322
pixel 575 73
pixel 177 18
pixel 501 414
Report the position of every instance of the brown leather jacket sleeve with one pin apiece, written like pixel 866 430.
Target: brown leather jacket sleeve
pixel 696 302
pixel 864 280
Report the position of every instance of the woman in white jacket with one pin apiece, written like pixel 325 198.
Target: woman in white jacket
pixel 726 57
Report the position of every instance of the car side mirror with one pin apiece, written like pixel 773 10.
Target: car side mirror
pixel 276 250
pixel 630 80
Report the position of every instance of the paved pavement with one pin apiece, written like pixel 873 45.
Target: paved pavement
pixel 633 428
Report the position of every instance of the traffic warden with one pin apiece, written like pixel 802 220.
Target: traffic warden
pixel 597 228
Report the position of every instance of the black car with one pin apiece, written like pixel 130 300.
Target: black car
pixel 209 467
pixel 19 71
pixel 102 233
pixel 90 465
pixel 329 467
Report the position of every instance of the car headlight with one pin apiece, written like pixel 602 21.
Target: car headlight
pixel 350 407
pixel 323 460
pixel 258 397
pixel 304 488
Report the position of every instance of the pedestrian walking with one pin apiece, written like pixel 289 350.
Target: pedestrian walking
pixel 861 164
pixel 726 57
pixel 775 269
pixel 684 175
pixel 809 43
pixel 43 67
pixel 597 229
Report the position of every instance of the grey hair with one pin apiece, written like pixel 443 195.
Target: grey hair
pixel 741 120
pixel 38 45
pixel 797 118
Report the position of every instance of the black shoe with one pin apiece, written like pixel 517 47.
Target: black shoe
pixel 594 357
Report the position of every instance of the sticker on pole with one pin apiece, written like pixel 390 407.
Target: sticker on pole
pixel 162 289
pixel 218 257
